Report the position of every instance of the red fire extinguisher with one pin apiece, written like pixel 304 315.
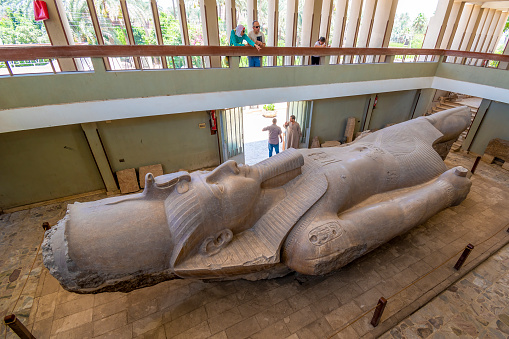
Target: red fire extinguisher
pixel 376 100
pixel 40 10
pixel 213 122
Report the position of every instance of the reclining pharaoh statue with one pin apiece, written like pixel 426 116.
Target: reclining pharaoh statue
pixel 310 210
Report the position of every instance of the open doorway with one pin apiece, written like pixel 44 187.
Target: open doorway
pixel 255 119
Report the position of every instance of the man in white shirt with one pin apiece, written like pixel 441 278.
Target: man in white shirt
pixel 259 39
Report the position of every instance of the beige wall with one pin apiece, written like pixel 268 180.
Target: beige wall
pixel 494 125
pixel 50 163
pixel 330 116
pixel 175 141
pixel 45 164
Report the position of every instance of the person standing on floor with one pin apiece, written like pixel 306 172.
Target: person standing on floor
pixel 315 59
pixel 274 133
pixel 293 133
pixel 238 35
pixel 259 39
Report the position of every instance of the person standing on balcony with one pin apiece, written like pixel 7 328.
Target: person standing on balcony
pixel 238 35
pixel 315 59
pixel 293 133
pixel 274 133
pixel 259 39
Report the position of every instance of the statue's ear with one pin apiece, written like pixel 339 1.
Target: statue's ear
pixel 212 245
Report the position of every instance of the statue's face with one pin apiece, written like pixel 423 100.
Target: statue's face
pixel 216 205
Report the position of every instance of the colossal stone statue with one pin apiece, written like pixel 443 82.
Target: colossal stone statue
pixel 310 211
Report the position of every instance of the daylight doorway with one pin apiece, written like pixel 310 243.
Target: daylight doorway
pixel 255 119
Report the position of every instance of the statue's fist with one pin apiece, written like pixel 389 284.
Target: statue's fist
pixel 459 182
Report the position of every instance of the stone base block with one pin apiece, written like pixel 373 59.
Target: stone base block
pixel 156 170
pixel 128 181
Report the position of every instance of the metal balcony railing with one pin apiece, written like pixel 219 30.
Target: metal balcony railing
pixel 45 59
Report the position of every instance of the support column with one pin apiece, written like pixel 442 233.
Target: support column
pixel 491 31
pixel 352 26
pixel 504 64
pixel 450 26
pixel 100 157
pixel 482 43
pixel 292 7
pixel 471 27
pixel 252 12
pixel 339 27
pixel 59 31
pixel 97 30
pixel 382 25
pixel 231 16
pixel 310 24
pixel 273 25
pixel 157 28
pixel 476 124
pixel 129 30
pixel 183 30
pixel 461 29
pixel 497 35
pixel 437 25
pixel 210 28
pixel 326 19
pixel 390 22
pixel 366 23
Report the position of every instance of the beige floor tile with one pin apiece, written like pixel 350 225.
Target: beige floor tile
pixel 299 319
pixel 243 329
pixel 146 324
pixel 197 332
pixel 224 320
pixel 81 303
pixel 274 313
pixel 81 332
pixel 219 335
pixel 156 333
pixel 46 306
pixel 108 308
pixel 341 316
pixel 125 332
pixel 142 309
pixel 72 321
pixel 318 329
pixel 110 323
pixel 274 331
pixel 186 322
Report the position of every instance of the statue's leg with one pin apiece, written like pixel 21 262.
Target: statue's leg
pixel 328 243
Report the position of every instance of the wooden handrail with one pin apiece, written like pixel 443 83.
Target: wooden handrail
pixel 93 51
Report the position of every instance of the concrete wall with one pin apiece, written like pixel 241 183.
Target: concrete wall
pixel 50 163
pixel 330 116
pixel 45 164
pixel 391 108
pixel 175 141
pixel 495 124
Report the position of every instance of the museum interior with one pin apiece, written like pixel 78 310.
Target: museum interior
pixel 113 90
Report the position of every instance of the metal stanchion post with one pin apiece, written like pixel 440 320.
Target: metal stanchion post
pixel 378 312
pixel 464 256
pixel 17 327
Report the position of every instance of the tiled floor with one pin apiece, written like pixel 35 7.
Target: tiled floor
pixel 476 306
pixel 294 306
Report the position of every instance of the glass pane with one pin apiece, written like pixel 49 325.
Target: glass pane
pixel 111 21
pixel 78 16
pixel 282 24
pixel 194 22
pixel 17 24
pixel 31 66
pixel 170 25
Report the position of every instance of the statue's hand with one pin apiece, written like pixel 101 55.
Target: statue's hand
pixel 457 177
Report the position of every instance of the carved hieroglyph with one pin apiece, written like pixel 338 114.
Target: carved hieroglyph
pixel 309 210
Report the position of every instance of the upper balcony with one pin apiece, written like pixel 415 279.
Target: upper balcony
pixel 156 80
